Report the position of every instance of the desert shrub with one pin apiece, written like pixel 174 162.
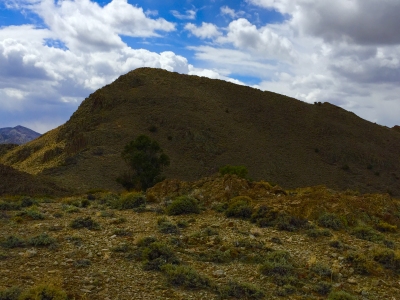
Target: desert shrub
pixel 82 263
pixel 182 224
pixel 122 248
pixel 336 244
pixel 360 263
pixel 107 214
pixel 27 202
pixel 382 226
pixel 323 288
pixel 85 222
pixel 146 241
pixel 341 295
pixel 108 199
pixel 12 242
pixel 166 226
pixel 388 259
pixel 240 207
pixel 277 264
pixel 12 293
pixel 44 292
pixel 315 233
pixel 129 201
pixel 184 276
pixel 9 205
pixel 290 223
pixel 321 270
pixel 264 216
pixel 183 205
pixel 32 214
pixel 240 171
pixel 331 221
pixel 157 254
pixel 220 207
pixel 286 290
pixel 122 232
pixel 3 256
pixel 241 291
pixel 215 256
pixel 367 233
pixel 42 240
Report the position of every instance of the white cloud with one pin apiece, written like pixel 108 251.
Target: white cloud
pixel 205 31
pixel 227 11
pixel 261 41
pixel 190 14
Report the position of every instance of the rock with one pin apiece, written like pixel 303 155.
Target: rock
pixel 219 273
pixel 352 280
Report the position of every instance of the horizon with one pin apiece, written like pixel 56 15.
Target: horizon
pixel 55 53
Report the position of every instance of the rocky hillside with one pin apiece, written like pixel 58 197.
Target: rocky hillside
pixel 221 237
pixel 203 124
pixel 17 135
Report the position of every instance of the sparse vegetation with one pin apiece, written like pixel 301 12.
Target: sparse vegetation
pixel 340 295
pixel 241 291
pixel 44 292
pixel 183 205
pixel 85 222
pixel 240 171
pixel 331 221
pixel 240 207
pixel 184 276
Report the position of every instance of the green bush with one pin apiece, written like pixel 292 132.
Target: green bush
pixel 9 205
pixel 240 207
pixel 388 259
pixel 331 221
pixel 341 295
pixel 290 223
pixel 166 226
pixel 122 232
pixel 323 288
pixel 32 213
pixel 215 256
pixel 129 201
pixel 82 263
pixel 264 216
pixel 240 171
pixel 315 233
pixel 157 254
pixel 12 293
pixel 382 226
pixel 85 222
pixel 42 240
pixel 360 263
pixel 184 276
pixel 321 270
pixel 44 292
pixel 241 291
pixel 13 242
pixel 183 205
pixel 278 263
pixel 367 233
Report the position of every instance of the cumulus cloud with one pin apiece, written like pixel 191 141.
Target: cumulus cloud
pixel 262 41
pixel 360 21
pixel 189 15
pixel 205 31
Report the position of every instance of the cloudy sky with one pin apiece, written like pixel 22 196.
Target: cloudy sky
pixel 53 54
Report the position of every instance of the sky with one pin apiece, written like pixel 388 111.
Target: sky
pixel 54 54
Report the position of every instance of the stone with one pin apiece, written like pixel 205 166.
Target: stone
pixel 219 273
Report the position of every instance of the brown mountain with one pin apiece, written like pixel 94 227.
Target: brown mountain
pixel 203 124
pixel 17 135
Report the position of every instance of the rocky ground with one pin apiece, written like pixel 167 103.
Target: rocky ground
pixel 106 246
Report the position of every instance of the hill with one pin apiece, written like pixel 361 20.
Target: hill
pixel 202 124
pixel 14 182
pixel 220 237
pixel 17 135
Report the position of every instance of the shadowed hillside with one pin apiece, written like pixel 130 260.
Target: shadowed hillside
pixel 14 182
pixel 203 124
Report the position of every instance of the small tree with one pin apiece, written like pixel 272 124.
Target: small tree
pixel 146 161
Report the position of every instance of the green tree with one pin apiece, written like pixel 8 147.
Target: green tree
pixel 146 161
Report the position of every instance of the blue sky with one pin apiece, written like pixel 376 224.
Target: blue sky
pixel 53 54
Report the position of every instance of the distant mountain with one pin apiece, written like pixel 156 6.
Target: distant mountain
pixel 202 124
pixel 17 135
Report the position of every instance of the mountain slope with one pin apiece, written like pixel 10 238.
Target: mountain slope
pixel 17 135
pixel 203 124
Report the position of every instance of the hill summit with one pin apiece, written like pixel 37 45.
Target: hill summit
pixel 202 124
pixel 17 135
